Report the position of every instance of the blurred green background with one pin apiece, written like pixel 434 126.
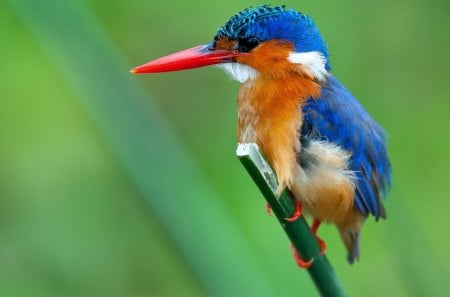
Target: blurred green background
pixel 120 185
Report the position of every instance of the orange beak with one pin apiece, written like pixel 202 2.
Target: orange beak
pixel 199 56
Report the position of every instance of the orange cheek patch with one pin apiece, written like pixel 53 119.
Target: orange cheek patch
pixel 271 58
pixel 225 44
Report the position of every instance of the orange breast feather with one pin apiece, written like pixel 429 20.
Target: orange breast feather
pixel 270 107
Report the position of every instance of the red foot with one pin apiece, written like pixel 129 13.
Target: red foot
pixel 297 211
pixel 323 247
pixel 322 244
pixel 315 225
pixel 300 262
pixel 269 210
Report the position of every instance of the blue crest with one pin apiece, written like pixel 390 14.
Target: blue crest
pixel 266 23
pixel 235 27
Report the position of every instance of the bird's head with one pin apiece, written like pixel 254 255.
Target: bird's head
pixel 265 40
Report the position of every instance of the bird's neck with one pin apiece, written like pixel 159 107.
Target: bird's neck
pixel 269 114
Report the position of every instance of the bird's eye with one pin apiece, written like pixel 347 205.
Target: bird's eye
pixel 247 44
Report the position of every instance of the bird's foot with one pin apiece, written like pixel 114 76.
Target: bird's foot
pixel 306 264
pixel 297 211
pixel 299 260
pixel 322 244
pixel 295 215
pixel 269 210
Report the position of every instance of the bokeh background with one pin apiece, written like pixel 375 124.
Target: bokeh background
pixel 120 185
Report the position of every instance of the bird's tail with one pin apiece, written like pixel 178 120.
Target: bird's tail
pixel 350 231
pixel 351 238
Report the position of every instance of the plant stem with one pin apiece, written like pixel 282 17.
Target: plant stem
pixel 299 233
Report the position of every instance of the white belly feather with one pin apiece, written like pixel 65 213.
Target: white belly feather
pixel 324 184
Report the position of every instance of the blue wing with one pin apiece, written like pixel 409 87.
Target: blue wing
pixel 337 117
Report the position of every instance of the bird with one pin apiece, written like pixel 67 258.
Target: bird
pixel 322 144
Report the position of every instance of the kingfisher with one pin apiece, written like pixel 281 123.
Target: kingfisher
pixel 322 144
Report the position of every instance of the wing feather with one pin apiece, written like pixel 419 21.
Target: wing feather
pixel 339 118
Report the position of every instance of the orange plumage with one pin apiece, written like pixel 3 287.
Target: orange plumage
pixel 269 107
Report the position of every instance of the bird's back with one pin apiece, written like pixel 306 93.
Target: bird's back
pixel 337 117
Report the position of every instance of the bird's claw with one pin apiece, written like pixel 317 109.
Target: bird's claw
pixel 300 262
pixel 322 245
pixel 314 228
pixel 297 211
pixel 269 210
pixel 306 264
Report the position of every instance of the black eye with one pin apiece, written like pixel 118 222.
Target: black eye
pixel 247 44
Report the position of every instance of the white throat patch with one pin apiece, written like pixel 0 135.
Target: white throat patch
pixel 313 62
pixel 239 72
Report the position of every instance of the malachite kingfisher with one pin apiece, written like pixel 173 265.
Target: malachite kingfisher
pixel 323 145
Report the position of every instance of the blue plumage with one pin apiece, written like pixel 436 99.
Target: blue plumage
pixel 339 118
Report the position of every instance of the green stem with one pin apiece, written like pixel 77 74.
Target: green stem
pixel 299 233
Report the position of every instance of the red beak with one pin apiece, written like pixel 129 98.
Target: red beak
pixel 195 57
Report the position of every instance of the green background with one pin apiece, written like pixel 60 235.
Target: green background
pixel 120 185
